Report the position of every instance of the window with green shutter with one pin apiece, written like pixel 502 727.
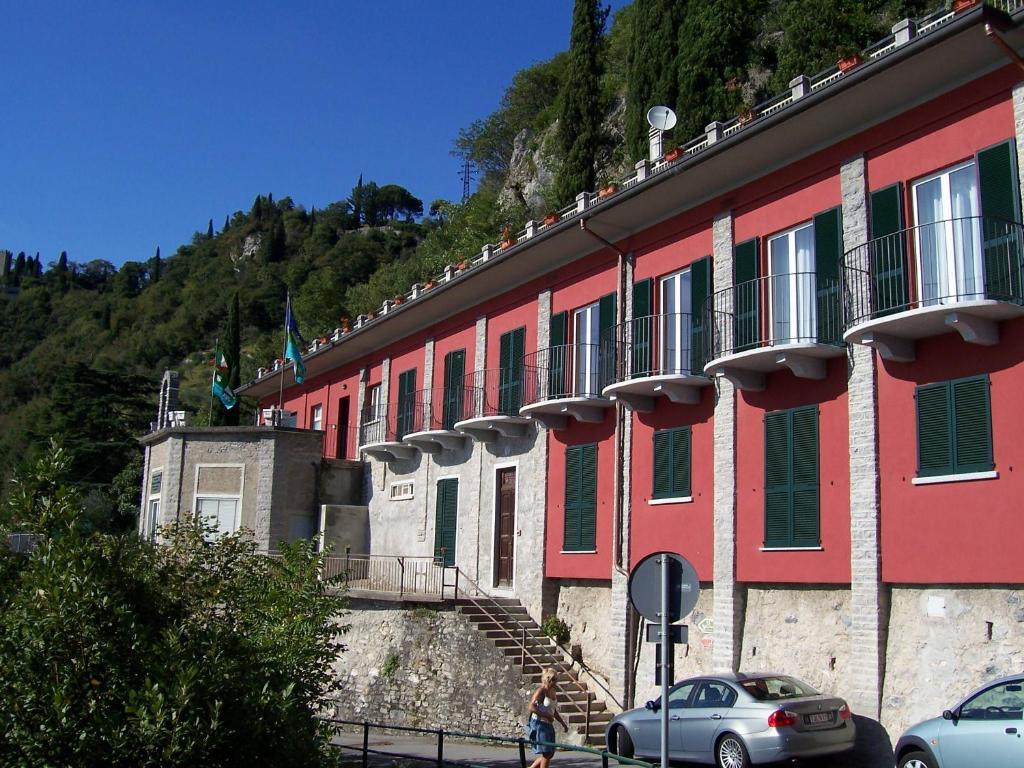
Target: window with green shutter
pixel 954 427
pixel 510 363
pixel 406 403
pixel 1000 204
pixel 446 520
pixel 791 506
pixel 454 371
pixel 746 270
pixel 580 528
pixel 672 463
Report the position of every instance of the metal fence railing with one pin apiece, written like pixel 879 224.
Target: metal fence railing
pixel 790 308
pixel 942 262
pixel 437 409
pixel 392 574
pixel 493 392
pixel 656 345
pixel 566 370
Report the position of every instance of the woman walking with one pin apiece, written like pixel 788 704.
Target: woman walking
pixel 543 712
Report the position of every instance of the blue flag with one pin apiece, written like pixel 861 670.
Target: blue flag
pixel 293 343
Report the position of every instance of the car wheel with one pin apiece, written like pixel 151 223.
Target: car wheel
pixel 731 753
pixel 916 760
pixel 623 744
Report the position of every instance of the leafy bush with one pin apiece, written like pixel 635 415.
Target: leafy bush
pixel 121 653
pixel 556 629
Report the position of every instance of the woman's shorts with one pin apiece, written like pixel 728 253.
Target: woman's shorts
pixel 542 736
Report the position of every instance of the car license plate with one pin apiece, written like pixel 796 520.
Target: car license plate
pixel 819 718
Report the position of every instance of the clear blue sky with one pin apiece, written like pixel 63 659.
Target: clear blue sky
pixel 128 126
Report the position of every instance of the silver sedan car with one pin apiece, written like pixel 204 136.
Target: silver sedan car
pixel 985 728
pixel 737 720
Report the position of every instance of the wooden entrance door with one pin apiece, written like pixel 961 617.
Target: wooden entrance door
pixel 506 525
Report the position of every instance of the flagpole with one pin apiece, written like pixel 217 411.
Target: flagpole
pixel 284 356
pixel 213 377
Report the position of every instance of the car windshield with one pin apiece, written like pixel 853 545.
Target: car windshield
pixel 780 687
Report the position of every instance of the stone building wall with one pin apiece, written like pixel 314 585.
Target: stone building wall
pixel 427 667
pixel 585 605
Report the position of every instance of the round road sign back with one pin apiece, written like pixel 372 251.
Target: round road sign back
pixel 645 587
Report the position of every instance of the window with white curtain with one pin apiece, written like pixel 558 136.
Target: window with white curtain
pixel 791 266
pixel 586 335
pixel 675 322
pixel 948 236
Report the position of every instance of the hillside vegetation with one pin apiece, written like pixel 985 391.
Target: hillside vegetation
pixel 84 344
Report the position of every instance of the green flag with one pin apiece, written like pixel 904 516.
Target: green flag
pixel 221 388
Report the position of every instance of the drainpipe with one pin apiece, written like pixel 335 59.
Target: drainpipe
pixel 620 308
pixel 993 34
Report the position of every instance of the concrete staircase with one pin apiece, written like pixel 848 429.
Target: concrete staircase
pixel 506 623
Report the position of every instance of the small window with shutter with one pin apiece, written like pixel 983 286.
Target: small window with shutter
pixel 954 427
pixel 672 464
pixel 791 509
pixel 580 529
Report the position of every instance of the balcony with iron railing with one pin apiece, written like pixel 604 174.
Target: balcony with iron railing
pixel 789 320
pixel 431 425
pixel 382 429
pixel 490 404
pixel 961 274
pixel 565 381
pixel 655 356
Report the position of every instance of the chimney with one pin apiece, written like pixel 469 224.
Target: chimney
pixel 654 136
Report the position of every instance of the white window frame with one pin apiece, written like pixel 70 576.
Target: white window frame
pixel 671 287
pixel 316 417
pixel 586 330
pixel 952 285
pixel 799 285
pixel 151 523
pixel 372 405
pixel 196 495
pixel 402 490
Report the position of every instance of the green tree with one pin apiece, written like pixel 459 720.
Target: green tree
pixel 119 653
pixel 154 272
pixel 209 230
pixel 580 110
pixel 653 65
pixel 232 344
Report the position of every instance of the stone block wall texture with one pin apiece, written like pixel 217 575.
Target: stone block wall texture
pixel 945 642
pixel 800 631
pixel 585 605
pixel 428 668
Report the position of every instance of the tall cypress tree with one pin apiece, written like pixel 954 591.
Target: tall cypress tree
pixel 209 230
pixel 155 272
pixel 257 208
pixel 232 345
pixel 652 66
pixel 227 223
pixel 62 262
pixel 8 264
pixel 580 113
pixel 19 267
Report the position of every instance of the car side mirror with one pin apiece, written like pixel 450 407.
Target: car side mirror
pixel 948 714
pixel 654 705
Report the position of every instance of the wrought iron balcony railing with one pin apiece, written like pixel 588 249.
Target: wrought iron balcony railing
pixel 379 424
pixel 791 308
pixel 669 344
pixel 940 263
pixel 492 392
pixel 436 409
pixel 566 371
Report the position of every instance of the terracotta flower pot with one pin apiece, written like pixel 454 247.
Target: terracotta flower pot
pixel 608 190
pixel 847 63
pixel 746 116
pixel 551 218
pixel 398 300
pixel 963 5
pixel 673 154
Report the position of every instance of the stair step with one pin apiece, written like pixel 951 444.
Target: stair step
pixel 515 610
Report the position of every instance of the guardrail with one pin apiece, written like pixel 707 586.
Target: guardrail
pixel 565 370
pixel 402 575
pixel 656 345
pixel 437 409
pixel 493 392
pixel 440 734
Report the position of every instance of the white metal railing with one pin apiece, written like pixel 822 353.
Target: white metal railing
pixel 401 575
pixel 873 52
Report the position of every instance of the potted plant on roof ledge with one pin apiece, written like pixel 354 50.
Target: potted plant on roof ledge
pixel 608 189
pixel 507 241
pixel 551 219
pixel 672 154
pixel 849 57
pixel 963 5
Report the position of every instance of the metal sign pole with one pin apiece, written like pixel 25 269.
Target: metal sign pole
pixel 665 640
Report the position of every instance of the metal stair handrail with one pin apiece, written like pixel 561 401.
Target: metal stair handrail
pixel 525 652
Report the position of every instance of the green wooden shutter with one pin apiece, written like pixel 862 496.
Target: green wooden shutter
pixel 972 425
pixel 454 371
pixel 828 250
pixel 934 430
pixel 640 344
pixel 446 520
pixel 804 423
pixel 777 479
pixel 558 329
pixel 1000 204
pixel 888 254
pixel 700 290
pixel 510 363
pixel 662 464
pixel 747 322
pixel 606 318
pixel 406 403
pixel 681 462
pixel 580 525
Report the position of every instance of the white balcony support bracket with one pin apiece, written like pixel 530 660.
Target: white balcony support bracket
pixel 802 366
pixel 509 429
pixel 679 393
pixel 974 329
pixel 889 347
pixel 481 434
pixel 551 420
pixel 748 381
pixel 638 403
pixel 584 413
pixel 389 451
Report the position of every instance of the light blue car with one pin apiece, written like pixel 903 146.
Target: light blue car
pixel 985 729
